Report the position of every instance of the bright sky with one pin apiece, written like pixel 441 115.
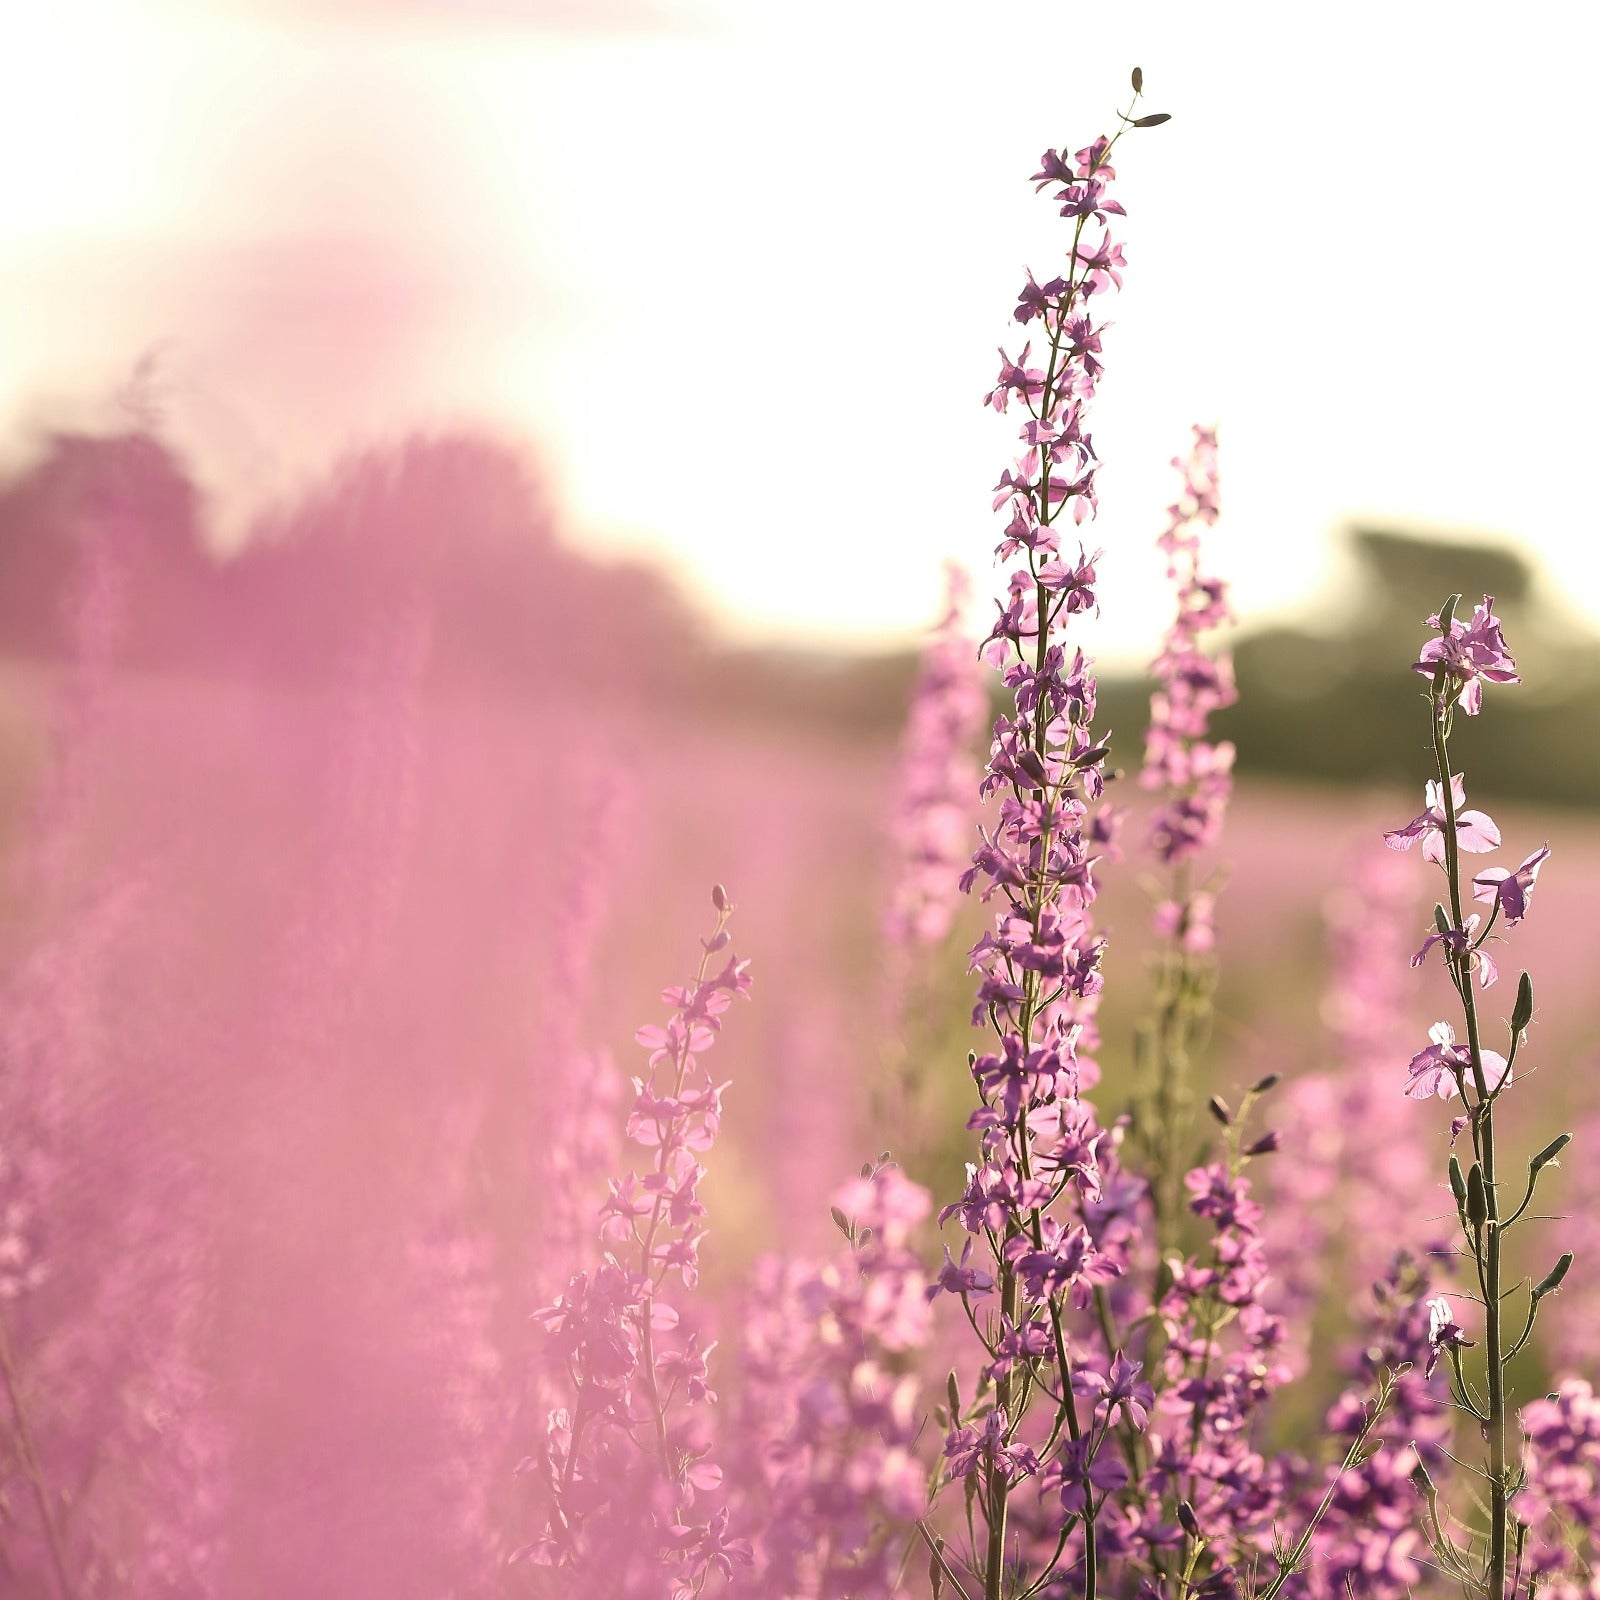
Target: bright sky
pixel 737 268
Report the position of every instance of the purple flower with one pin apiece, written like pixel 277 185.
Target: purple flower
pixel 1457 943
pixel 1510 890
pixel 1474 830
pixel 1437 1069
pixel 956 1277
pixel 1469 653
pixel 1120 1388
pixel 1443 1333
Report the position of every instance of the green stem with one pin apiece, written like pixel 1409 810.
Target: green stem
pixel 1487 1244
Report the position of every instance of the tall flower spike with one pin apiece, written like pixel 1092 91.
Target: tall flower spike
pixel 1039 966
pixel 934 804
pixel 1194 774
pixel 624 1470
pixel 1458 661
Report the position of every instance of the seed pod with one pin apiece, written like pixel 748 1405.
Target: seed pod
pixel 1551 1281
pixel 1458 1185
pixel 719 897
pixel 1138 80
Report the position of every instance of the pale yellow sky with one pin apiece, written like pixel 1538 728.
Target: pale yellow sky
pixel 738 268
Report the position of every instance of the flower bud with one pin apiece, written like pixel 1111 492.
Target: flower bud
pixel 1032 768
pixel 1271 1081
pixel 1477 1197
pixel 1522 1011
pixel 719 897
pixel 1551 1281
pixel 1549 1153
pixel 1218 1107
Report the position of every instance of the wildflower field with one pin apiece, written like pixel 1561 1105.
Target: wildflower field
pixel 503 1097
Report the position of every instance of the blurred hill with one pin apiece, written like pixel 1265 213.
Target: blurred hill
pixel 461 521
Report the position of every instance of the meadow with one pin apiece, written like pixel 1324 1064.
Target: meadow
pixel 492 1101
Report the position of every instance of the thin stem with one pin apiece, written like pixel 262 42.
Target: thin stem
pixel 1486 1243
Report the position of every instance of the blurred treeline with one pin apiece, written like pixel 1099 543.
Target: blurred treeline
pixel 464 519
pixel 1320 700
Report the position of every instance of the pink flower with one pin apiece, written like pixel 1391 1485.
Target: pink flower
pixel 1474 830
pixel 1511 890
pixel 1437 1069
pixel 1469 653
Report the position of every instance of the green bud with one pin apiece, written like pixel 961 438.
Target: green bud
pixel 1477 1197
pixel 1138 80
pixel 1458 1184
pixel 1551 1281
pixel 1522 1011
pixel 1440 920
pixel 1549 1153
pixel 1447 613
pixel 840 1221
pixel 953 1391
pixel 1154 120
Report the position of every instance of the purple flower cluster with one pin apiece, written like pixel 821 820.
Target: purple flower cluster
pixel 936 773
pixel 1560 1499
pixel 1465 656
pixel 1039 964
pixel 1194 775
pixel 624 1469
pixel 1222 1360
pixel 1371 1540
pixel 828 1416
pixel 1330 1210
